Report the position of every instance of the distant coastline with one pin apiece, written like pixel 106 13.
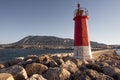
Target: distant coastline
pixel 49 42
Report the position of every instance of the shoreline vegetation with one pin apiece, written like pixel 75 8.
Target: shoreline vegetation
pixel 105 65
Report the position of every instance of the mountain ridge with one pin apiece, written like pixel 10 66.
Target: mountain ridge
pixel 49 42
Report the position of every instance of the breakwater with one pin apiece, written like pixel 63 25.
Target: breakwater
pixel 62 67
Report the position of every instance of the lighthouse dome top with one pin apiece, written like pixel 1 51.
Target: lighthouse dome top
pixel 80 11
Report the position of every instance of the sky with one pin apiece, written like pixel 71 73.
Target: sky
pixel 21 18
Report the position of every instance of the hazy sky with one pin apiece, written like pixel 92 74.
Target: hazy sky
pixel 20 18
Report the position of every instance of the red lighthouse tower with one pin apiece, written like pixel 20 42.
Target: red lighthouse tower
pixel 82 49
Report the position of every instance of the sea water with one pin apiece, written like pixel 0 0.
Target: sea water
pixel 8 54
pixel 118 51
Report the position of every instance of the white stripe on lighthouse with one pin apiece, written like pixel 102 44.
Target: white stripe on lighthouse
pixel 82 52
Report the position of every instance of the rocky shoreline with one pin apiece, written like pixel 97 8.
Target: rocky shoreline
pixel 62 67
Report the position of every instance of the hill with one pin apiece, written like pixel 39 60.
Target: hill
pixel 49 42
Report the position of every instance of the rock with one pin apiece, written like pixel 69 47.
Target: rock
pixel 2 66
pixel 6 64
pixel 55 58
pixel 24 63
pixel 111 62
pixel 64 74
pixel 6 76
pixel 21 58
pixel 102 64
pixel 64 55
pixel 83 68
pixel 117 57
pixel 52 63
pixel 104 77
pixel 12 62
pixel 57 74
pixel 112 71
pixel 90 74
pixel 36 77
pixel 78 62
pixel 87 62
pixel 29 60
pixel 108 57
pixel 102 57
pixel 35 68
pixel 58 60
pixel 15 61
pixel 68 58
pixel 94 66
pixel 17 71
pixel 34 58
pixel 94 75
pixel 70 66
pixel 44 59
pixel 52 74
pixel 118 66
pixel 81 76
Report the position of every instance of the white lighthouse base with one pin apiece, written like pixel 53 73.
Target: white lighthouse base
pixel 82 52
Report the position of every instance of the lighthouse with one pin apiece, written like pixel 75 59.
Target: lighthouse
pixel 82 49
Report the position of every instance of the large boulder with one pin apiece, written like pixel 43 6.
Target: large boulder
pixel 6 76
pixel 15 61
pixel 64 74
pixel 80 76
pixel 57 74
pixel 103 57
pixel 78 62
pixel 34 58
pixel 24 63
pixel 68 58
pixel 94 75
pixel 52 63
pixel 2 66
pixel 58 60
pixel 70 66
pixel 112 71
pixel 90 74
pixel 94 66
pixel 104 77
pixel 102 64
pixel 45 59
pixel 29 60
pixel 17 71
pixel 36 77
pixel 111 62
pixel 35 68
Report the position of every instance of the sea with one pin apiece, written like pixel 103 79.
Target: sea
pixel 118 51
pixel 9 54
